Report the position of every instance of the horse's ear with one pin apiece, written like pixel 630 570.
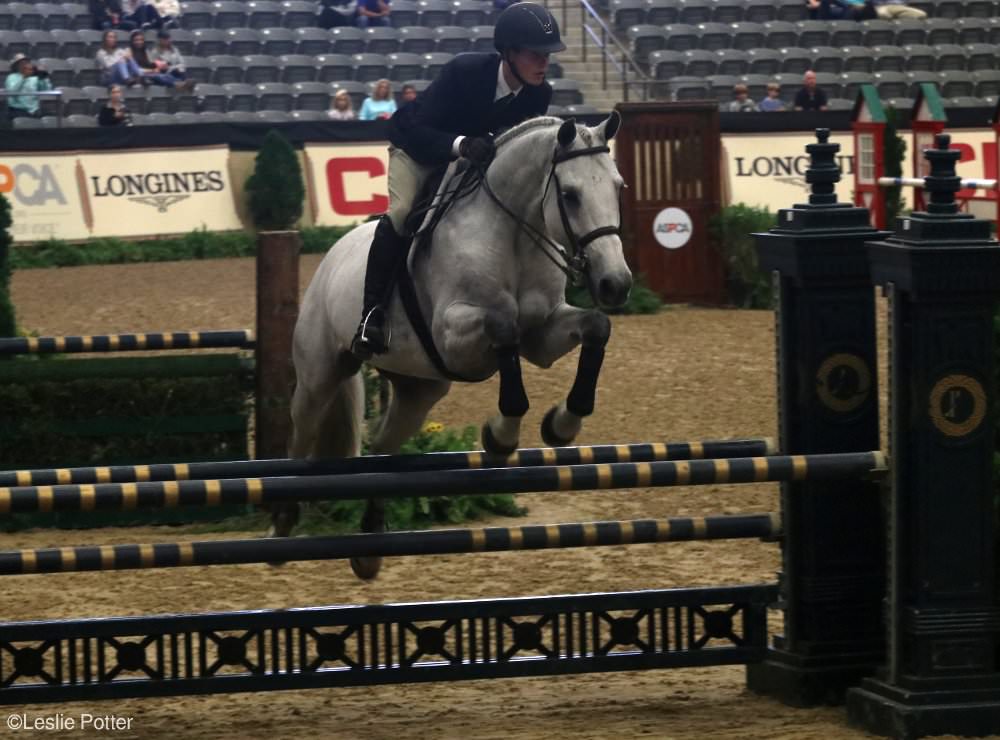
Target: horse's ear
pixel 612 125
pixel 567 132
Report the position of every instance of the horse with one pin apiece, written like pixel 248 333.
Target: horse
pixel 490 283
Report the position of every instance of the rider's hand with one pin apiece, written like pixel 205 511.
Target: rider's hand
pixel 479 150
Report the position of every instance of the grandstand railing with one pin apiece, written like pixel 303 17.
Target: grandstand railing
pixel 57 94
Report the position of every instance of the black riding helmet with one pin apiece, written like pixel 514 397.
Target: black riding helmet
pixel 527 26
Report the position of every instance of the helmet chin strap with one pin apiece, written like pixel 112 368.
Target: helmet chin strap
pixel 513 68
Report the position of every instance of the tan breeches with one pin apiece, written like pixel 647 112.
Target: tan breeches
pixel 406 177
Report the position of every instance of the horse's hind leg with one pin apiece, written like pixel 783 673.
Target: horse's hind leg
pixel 412 399
pixel 565 328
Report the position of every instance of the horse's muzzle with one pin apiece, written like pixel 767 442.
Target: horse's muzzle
pixel 613 290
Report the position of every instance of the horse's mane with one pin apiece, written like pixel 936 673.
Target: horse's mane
pixel 530 125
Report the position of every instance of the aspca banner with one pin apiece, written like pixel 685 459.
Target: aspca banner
pixel 347 182
pixel 45 192
pixel 161 191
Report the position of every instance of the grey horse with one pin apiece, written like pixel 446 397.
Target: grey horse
pixel 491 286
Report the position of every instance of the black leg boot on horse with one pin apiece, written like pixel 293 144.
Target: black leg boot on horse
pixel 385 258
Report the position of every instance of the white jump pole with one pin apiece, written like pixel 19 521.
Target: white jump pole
pixel 918 182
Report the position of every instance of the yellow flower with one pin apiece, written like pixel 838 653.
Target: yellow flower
pixel 433 427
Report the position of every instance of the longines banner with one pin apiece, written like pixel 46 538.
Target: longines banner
pixel 133 193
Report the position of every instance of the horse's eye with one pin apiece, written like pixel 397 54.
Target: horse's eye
pixel 571 197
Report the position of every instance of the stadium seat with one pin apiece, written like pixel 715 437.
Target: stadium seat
pixel 434 13
pixel 69 44
pixel 85 71
pixel 297 68
pixel 453 39
pixel 210 42
pixel 966 102
pixel 781 34
pixel 381 40
pixel 159 100
pixel 78 120
pixel 26 17
pixel 791 11
pixel 566 92
pixel 79 15
pixel 645 39
pixel 796 60
pixel 958 84
pixel 198 69
pixel 892 84
pixel 711 37
pixel 625 13
pixel 941 31
pixel 210 98
pixel 310 115
pixel 756 85
pixel 135 99
pixel 333 67
pixel 418 85
pixel 851 82
pixel 240 96
pixel 951 57
pixel 347 40
pixel 229 14
pixel 28 123
pixel 357 91
pixel 878 33
pixel 662 12
pixel 75 100
pixel 40 43
pixel 405 13
pixel 700 62
pixel 182 39
pixel 915 79
pixel 828 59
pixel 405 66
pixel 814 33
pixel 54 16
pixel 889 59
pixel 241 42
pixel 184 117
pixel 61 72
pixel 666 64
pixel 760 11
pixel 728 11
pixel 433 62
pixel 264 14
pixel 91 40
pixel 839 104
pixel 417 40
pixel 910 32
pixel 971 31
pixel 274 116
pixel 7 19
pixel 920 57
pixel 468 13
pixel 950 9
pixel 13 42
pixel 311 96
pixel 980 56
pixel 857 59
pixel 581 109
pixel 748 36
pixel 992 26
pixel 980 9
pixel 694 12
pixel 481 38
pixel 298 14
pixel 556 110
pixel 157 118
pixel 50 121
pixel 369 67
pixel 721 87
pixel 240 116
pixel 736 62
pixel 275 96
pixel 197 15
pixel 278 41
pixel 689 88
pixel 226 68
pixel 313 41
pixel 846 33
pixel 258 68
pixel 679 37
pixel 95 98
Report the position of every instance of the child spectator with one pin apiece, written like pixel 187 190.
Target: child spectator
pixel 380 104
pixel 408 94
pixel 742 103
pixel 116 65
pixel 153 72
pixel 169 57
pixel 810 97
pixel 114 112
pixel 108 14
pixel 373 13
pixel 772 103
pixel 341 108
pixel 25 77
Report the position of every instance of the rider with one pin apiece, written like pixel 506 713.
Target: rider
pixel 474 96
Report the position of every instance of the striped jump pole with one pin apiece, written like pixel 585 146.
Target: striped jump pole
pixel 394 463
pixel 549 479
pixel 918 182
pixel 242 339
pixel 393 544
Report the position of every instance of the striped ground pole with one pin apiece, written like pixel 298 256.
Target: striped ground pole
pixel 431 542
pixel 257 491
pixel 596 454
pixel 241 338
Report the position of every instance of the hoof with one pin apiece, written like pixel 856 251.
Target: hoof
pixel 284 517
pixel 549 435
pixel 366 568
pixel 492 446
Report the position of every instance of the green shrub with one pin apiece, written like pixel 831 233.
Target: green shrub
pixel 641 300
pixel 731 230
pixel 893 154
pixel 275 191
pixel 8 325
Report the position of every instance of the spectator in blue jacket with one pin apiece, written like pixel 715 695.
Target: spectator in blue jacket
pixel 380 104
pixel 25 78
pixel 373 13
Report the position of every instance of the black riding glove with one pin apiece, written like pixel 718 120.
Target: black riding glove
pixel 479 150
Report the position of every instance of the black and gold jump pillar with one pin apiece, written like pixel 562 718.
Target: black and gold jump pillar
pixel 941 271
pixel 833 570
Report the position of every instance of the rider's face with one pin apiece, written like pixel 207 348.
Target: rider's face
pixel 530 65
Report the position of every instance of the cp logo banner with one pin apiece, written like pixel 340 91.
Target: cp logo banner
pixel 347 182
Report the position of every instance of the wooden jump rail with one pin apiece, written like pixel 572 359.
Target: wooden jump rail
pixel 241 339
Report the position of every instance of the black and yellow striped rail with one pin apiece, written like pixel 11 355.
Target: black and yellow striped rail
pixel 595 454
pixel 241 338
pixel 166 494
pixel 432 542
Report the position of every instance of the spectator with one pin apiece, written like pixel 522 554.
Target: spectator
pixel 742 103
pixel 153 72
pixel 168 57
pixel 380 104
pixel 341 107
pixel 116 65
pixel 26 78
pixel 169 12
pixel 772 102
pixel 114 112
pixel 810 97
pixel 108 14
pixel 893 9
pixel 409 94
pixel 373 13
pixel 500 5
pixel 141 13
pixel 336 13
pixel 851 10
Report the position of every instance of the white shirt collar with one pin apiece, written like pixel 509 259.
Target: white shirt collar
pixel 503 89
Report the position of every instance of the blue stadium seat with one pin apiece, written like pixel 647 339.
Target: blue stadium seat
pixel 297 68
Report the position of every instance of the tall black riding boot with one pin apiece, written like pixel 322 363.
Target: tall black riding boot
pixel 387 249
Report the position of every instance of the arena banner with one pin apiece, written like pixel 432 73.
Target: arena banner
pixel 160 191
pixel 45 192
pixel 768 170
pixel 346 183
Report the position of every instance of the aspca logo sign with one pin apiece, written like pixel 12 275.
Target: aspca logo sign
pixel 672 228
pixel 31 185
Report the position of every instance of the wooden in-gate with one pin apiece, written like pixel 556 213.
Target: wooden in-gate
pixel 668 154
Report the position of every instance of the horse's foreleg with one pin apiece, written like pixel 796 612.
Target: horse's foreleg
pixel 565 328
pixel 501 433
